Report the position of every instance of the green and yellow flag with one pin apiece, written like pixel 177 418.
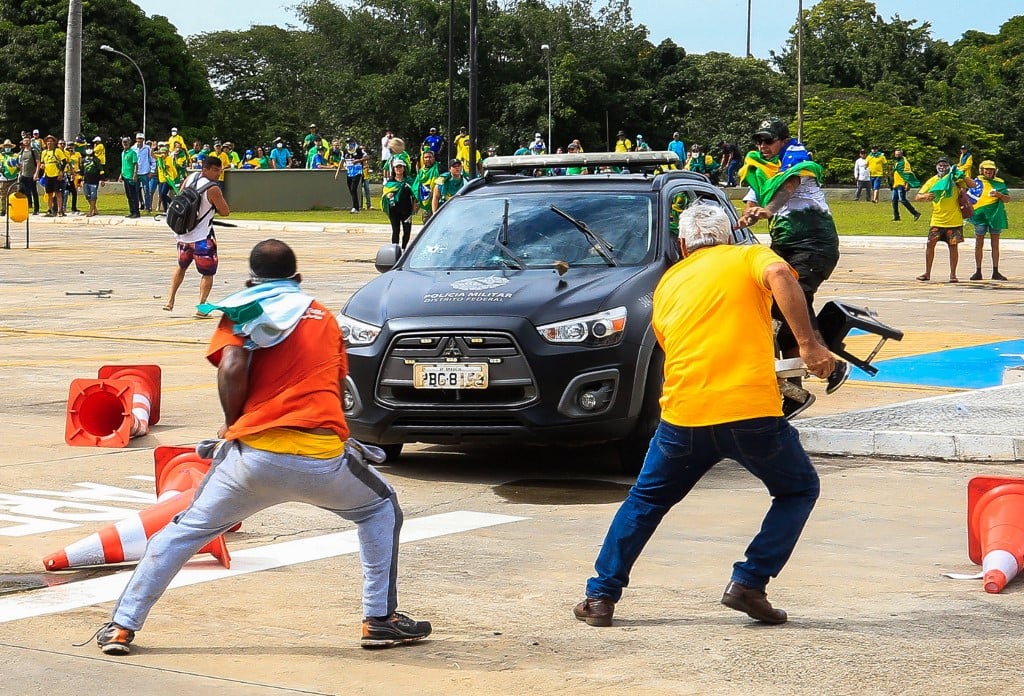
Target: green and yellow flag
pixel 988 210
pixel 765 176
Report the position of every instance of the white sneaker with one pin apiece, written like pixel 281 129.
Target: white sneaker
pixel 355 210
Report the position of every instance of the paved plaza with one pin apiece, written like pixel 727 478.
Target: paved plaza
pixel 498 543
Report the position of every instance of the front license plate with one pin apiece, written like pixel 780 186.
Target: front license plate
pixel 449 375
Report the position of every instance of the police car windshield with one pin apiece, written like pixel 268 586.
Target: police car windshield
pixel 466 233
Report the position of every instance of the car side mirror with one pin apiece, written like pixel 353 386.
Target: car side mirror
pixel 387 257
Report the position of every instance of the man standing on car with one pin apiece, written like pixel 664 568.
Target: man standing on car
pixel 712 318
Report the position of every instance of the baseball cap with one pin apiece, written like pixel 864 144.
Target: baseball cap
pixel 537 135
pixel 942 158
pixel 97 139
pixel 987 164
pixel 454 162
pixel 963 147
pixel 398 162
pixel 35 131
pixel 639 137
pixel 772 128
pixel 140 136
pixel 312 125
pixel 174 130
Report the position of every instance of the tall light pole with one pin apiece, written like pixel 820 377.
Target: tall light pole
pixel 73 72
pixel 111 49
pixel 800 70
pixel 547 57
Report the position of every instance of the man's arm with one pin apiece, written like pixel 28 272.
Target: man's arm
pixel 217 200
pixel 790 297
pixel 232 383
pixel 435 200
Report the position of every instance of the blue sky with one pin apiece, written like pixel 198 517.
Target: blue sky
pixel 697 25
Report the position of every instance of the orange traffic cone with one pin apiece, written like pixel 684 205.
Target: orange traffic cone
pixel 107 412
pixel 126 540
pixel 995 528
pixel 177 470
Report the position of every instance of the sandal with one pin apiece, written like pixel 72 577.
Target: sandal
pixel 168 307
pixel 924 276
pixel 953 279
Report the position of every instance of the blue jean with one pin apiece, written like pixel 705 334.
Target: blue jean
pixel 678 457
pixel 244 480
pixel 899 195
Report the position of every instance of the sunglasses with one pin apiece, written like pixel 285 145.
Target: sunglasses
pixel 763 140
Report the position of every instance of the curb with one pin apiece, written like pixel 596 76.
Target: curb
pixel 961 427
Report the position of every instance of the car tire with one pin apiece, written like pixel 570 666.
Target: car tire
pixel 633 449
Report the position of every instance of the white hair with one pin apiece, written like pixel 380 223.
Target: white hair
pixel 704 226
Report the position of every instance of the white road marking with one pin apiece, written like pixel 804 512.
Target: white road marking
pixel 75 595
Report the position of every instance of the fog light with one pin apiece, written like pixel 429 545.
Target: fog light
pixel 347 401
pixel 588 400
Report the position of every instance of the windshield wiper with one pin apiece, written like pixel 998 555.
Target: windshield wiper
pixel 502 242
pixel 602 247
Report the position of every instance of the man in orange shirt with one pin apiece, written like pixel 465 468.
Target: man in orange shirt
pixel 712 317
pixel 281 362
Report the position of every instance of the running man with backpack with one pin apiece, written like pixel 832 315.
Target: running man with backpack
pixel 190 216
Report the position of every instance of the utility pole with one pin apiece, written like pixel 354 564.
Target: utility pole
pixel 800 71
pixel 73 73
pixel 748 27
pixel 474 74
pixel 451 74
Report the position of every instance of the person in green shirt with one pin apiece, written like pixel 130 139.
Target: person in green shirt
pixel 447 185
pixel 129 177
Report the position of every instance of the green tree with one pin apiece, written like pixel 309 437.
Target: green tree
pixel 32 38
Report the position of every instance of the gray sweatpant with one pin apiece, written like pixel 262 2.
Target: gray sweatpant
pixel 244 480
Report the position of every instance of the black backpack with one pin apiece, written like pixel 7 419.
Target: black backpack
pixel 183 213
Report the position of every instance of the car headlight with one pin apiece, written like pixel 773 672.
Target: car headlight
pixel 601 329
pixel 357 333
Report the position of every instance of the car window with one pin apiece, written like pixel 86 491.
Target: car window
pixel 472 232
pixel 681 198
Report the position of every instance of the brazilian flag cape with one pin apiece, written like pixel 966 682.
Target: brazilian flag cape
pixel 945 186
pixel 393 186
pixel 766 176
pixel 423 185
pixel 903 169
pixel 988 210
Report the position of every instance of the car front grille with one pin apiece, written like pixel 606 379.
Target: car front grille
pixel 510 381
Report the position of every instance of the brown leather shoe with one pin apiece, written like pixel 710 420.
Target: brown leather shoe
pixel 753 603
pixel 596 611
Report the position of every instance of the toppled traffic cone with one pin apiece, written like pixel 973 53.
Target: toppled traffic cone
pixel 178 469
pixel 995 528
pixel 108 411
pixel 126 540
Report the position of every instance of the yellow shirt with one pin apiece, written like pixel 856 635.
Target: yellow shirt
pixel 101 153
pixel 176 139
pixel 291 441
pixel 225 159
pixel 51 162
pixel 712 317
pixel 945 213
pixel 876 164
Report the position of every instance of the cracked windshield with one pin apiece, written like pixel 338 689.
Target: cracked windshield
pixel 537 230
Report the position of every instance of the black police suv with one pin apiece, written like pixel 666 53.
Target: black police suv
pixel 522 311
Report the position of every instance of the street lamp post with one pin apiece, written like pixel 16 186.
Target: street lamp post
pixel 111 49
pixel 547 58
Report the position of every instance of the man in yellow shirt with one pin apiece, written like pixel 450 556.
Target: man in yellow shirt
pixel 947 223
pixel 52 162
pixel 175 138
pixel 712 318
pixel 622 143
pixel 877 164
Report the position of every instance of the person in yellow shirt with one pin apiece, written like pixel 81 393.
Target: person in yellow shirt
pixel 877 165
pixel 947 223
pixel 175 138
pixel 72 176
pixel 622 143
pixel 712 318
pixel 218 152
pixel 99 151
pixel 52 162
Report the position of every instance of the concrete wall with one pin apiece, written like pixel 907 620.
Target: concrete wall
pixel 288 189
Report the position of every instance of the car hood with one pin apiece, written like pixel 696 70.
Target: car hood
pixel 540 295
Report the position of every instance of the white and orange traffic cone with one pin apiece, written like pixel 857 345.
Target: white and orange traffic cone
pixel 126 540
pixel 178 469
pixel 108 411
pixel 995 528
